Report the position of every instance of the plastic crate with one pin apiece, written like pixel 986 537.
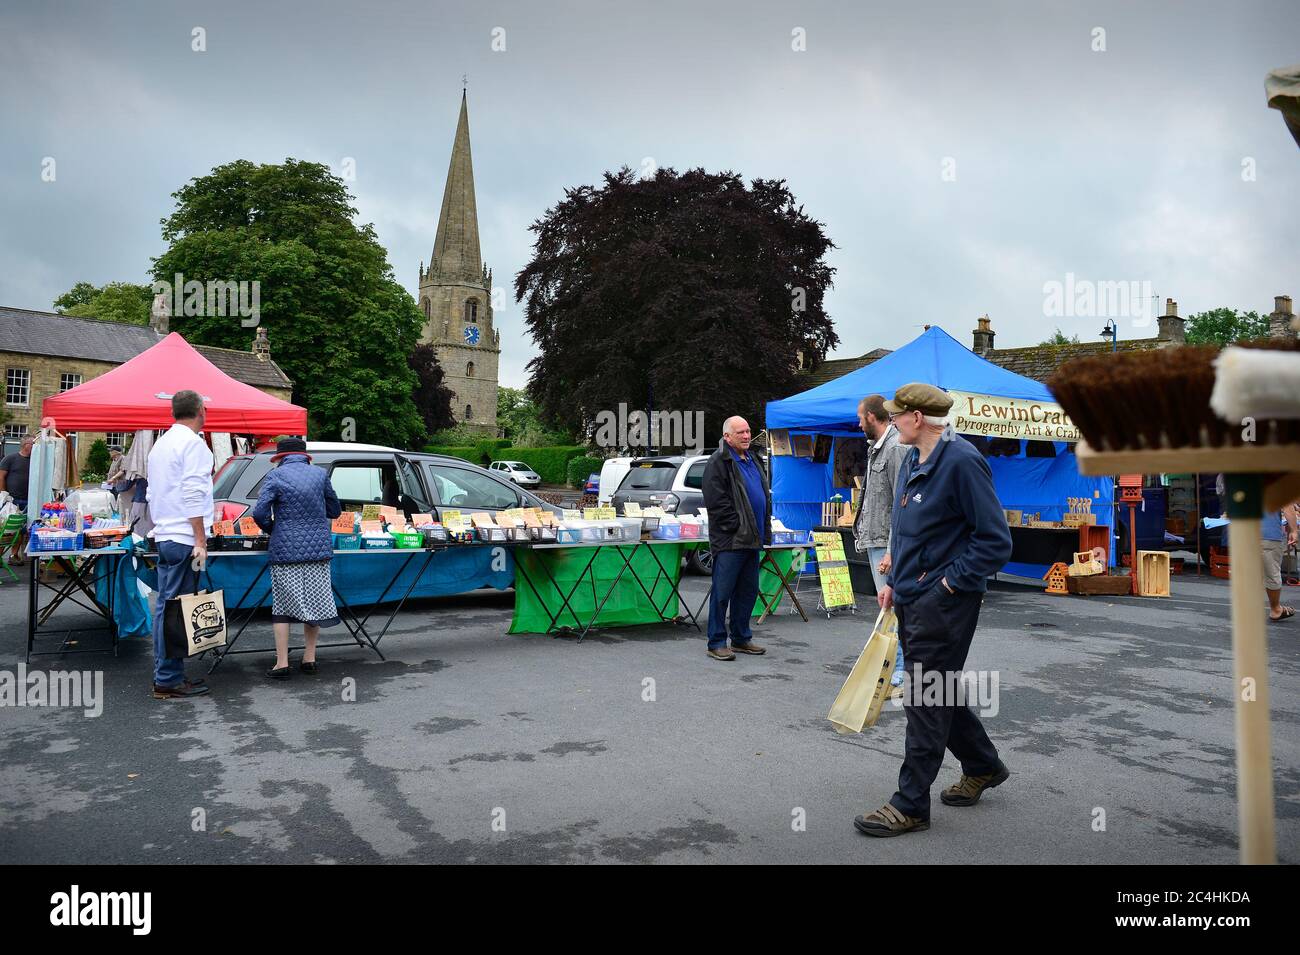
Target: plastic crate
pixel 568 535
pixel 55 543
pixel 347 541
pixel 407 540
pixel 668 532
pixel 377 542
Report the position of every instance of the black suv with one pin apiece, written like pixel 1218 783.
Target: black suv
pixel 673 482
pixel 411 481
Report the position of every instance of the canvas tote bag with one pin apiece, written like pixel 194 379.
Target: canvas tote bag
pixel 864 692
pixel 194 622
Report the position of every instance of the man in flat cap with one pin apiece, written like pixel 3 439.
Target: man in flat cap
pixel 947 535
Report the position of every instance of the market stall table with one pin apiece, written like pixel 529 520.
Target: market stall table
pixel 79 568
pixel 360 578
pixel 772 579
pixel 554 591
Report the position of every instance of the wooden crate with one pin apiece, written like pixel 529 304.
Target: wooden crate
pixel 1153 573
pixel 1220 563
pixel 1099 585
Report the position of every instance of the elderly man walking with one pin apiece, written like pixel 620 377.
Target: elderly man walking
pixel 739 503
pixel 948 534
pixel 876 500
pixel 180 504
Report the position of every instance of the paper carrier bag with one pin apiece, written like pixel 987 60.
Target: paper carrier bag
pixel 867 687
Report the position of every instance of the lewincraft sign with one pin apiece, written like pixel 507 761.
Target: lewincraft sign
pixel 1010 418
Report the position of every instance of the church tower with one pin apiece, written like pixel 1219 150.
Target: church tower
pixel 456 295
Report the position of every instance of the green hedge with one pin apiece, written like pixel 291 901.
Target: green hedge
pixel 550 463
pixel 581 468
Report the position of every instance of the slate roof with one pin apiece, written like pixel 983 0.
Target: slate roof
pixel 1034 361
pixel 29 332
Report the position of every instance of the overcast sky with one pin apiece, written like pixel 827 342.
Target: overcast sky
pixel 960 154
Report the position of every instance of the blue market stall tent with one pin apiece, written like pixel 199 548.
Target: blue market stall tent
pixel 1015 421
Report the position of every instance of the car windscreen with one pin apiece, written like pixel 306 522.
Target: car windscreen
pixel 649 476
pixel 224 484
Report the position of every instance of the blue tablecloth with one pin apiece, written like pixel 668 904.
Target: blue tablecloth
pixel 361 577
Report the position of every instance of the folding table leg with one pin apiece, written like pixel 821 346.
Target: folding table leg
pixel 219 653
pixel 566 598
pixel 520 571
pixel 677 592
pixel 608 593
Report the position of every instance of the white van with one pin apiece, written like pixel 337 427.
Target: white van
pixel 612 473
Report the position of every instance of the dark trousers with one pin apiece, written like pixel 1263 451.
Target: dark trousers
pixel 735 590
pixel 936 631
pixel 175 577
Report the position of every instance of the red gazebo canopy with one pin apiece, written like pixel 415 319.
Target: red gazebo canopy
pixel 137 394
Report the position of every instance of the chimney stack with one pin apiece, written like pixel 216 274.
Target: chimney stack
pixel 1282 323
pixel 982 336
pixel 1173 329
pixel 262 344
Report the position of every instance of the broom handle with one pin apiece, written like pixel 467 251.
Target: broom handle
pixel 1250 661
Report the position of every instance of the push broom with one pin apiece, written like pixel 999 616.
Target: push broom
pixel 1195 409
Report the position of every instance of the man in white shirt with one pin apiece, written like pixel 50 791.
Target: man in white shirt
pixel 180 503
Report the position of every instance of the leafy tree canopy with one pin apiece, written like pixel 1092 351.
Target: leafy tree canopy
pixel 1060 338
pixel 1223 326
pixel 339 324
pixel 115 302
pixel 688 292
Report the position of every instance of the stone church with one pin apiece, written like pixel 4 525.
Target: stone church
pixel 456 295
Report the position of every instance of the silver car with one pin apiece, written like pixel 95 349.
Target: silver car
pixel 518 472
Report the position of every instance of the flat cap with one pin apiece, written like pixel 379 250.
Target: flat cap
pixel 918 396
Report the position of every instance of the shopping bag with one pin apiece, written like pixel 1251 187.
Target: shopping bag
pixel 194 622
pixel 864 692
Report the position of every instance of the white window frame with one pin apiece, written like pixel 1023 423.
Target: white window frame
pixel 27 387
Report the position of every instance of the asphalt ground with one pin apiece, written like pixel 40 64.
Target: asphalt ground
pixel 469 745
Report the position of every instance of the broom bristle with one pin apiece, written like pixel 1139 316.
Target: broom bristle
pixel 1155 399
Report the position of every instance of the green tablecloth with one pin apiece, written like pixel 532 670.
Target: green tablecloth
pixel 628 604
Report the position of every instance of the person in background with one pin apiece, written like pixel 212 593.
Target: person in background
pixel 948 535
pixel 1277 532
pixel 876 500
pixel 123 490
pixel 180 501
pixel 295 507
pixel 15 469
pixel 739 504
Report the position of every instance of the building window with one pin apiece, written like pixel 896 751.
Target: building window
pixel 18 386
pixel 116 439
pixel 469 413
pixel 68 381
pixel 471 310
pixel 469 370
pixel 15 431
pixel 428 311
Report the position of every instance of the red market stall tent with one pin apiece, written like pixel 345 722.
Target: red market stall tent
pixel 137 395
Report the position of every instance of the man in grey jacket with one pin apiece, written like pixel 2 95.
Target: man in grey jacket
pixel 875 504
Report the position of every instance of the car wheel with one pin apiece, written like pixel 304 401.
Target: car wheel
pixel 700 562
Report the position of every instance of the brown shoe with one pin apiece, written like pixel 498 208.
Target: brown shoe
pixel 750 647
pixel 888 821
pixel 968 790
pixel 180 691
pixel 722 653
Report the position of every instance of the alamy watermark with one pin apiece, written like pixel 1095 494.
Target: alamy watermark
pixel 212 299
pixel 656 429
pixel 1084 298
pixel 71 689
pixel 975 688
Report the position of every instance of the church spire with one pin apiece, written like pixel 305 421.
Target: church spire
pixel 455 249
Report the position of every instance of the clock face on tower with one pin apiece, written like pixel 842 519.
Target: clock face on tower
pixel 471 334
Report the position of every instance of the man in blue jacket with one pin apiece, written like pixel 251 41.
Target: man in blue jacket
pixel 948 534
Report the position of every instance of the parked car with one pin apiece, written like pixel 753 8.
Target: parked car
pixel 612 473
pixel 518 472
pixel 413 482
pixel 675 483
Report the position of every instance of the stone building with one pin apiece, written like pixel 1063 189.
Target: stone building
pixel 456 295
pixel 44 353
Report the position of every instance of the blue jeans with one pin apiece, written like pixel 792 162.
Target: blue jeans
pixel 735 587
pixel 876 555
pixel 175 576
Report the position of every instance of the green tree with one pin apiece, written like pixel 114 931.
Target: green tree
pixel 432 396
pixel 520 421
pixel 1223 326
pixel 339 323
pixel 1059 338
pixel 689 292
pixel 114 302
pixel 97 458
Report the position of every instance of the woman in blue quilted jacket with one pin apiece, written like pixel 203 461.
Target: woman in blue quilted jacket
pixel 295 507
